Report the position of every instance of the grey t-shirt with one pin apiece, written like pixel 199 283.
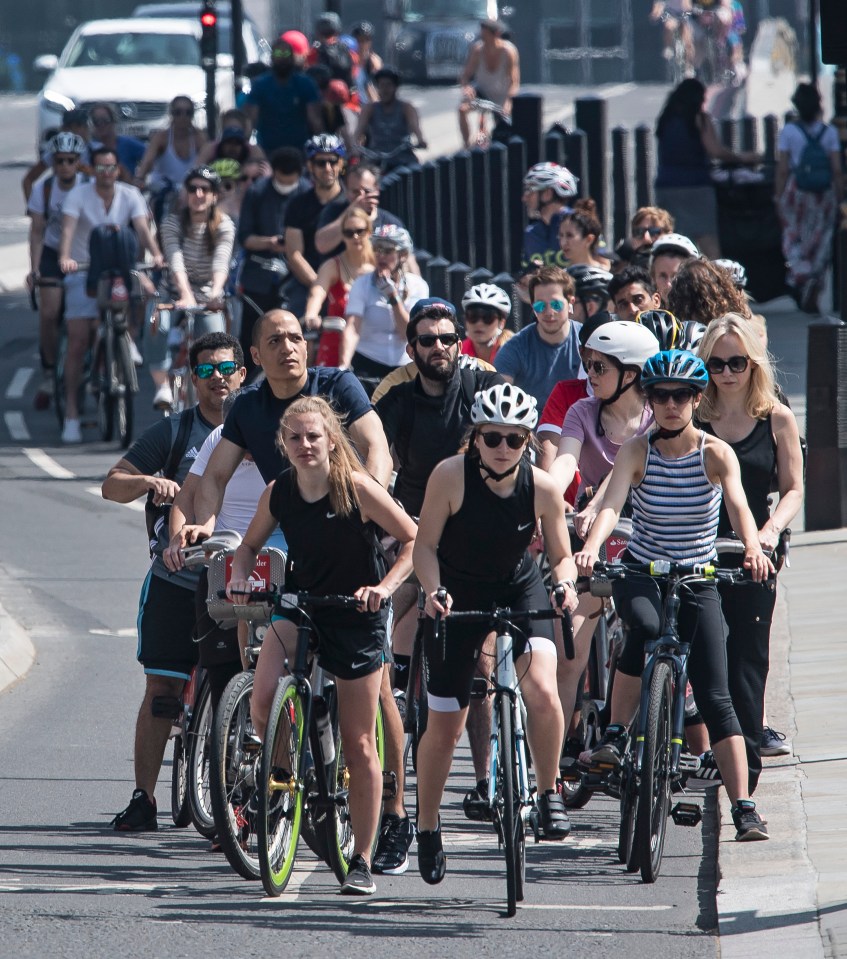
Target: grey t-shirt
pixel 149 454
pixel 536 366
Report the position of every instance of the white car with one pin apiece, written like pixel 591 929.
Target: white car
pixel 139 65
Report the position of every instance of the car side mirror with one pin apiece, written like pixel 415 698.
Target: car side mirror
pixel 46 63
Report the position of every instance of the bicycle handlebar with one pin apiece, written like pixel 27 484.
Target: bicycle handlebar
pixel 296 600
pixel 660 568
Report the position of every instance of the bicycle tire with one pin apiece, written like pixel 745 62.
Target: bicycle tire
pixel 280 800
pixel 104 367
pixel 339 829
pixel 627 848
pixel 232 776
pixel 180 810
pixel 126 386
pixel 512 829
pixel 576 795
pixel 199 751
pixel 651 818
pixel 417 706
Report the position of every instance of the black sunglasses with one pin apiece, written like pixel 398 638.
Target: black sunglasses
pixel 737 364
pixel 493 438
pixel 654 231
pixel 481 316
pixel 65 161
pixel 680 397
pixel 352 233
pixel 599 368
pixel 325 161
pixel 428 340
pixel 205 370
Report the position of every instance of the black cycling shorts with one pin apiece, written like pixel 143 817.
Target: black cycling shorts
pixel 166 619
pixel 48 264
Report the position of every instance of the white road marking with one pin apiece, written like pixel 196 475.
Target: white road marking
pixel 91 887
pixel 16 425
pixel 15 390
pixel 136 504
pixel 124 631
pixel 300 874
pixel 44 462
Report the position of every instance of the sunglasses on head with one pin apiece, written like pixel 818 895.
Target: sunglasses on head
pixel 680 396
pixel 600 369
pixel 481 316
pixel 205 370
pixel 493 438
pixel 654 231
pixel 428 340
pixel 555 305
pixel 350 232
pixel 736 364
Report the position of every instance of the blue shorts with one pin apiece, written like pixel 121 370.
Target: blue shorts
pixel 78 304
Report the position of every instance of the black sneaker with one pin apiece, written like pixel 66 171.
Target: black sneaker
pixel 475 803
pixel 749 825
pixel 773 743
pixel 554 819
pixel 708 769
pixel 358 881
pixel 392 848
pixel 139 815
pixel 610 749
pixel 432 863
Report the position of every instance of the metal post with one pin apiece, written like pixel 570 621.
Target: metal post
pixel 749 134
pixel 432 194
pixel 417 202
pixel 729 133
pixel 517 170
pixel 438 276
pixel 554 146
pixel 447 243
pixel 527 120
pixel 592 117
pixel 771 134
pixel 238 55
pixel 463 205
pixel 620 181
pixel 814 10
pixel 498 191
pixel 643 166
pixel 457 281
pixel 576 157
pixel 480 190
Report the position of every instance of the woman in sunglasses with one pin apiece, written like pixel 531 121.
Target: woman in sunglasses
pixel 478 518
pixel 740 406
pixel 486 308
pixel 678 477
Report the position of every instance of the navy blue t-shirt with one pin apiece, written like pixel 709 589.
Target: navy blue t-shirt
pixel 541 242
pixel 253 421
pixel 282 120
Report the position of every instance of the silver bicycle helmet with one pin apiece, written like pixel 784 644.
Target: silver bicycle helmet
pixel 629 343
pixel 551 176
pixel 692 333
pixel 674 243
pixel 66 142
pixel 736 272
pixel 487 294
pixel 325 143
pixel 397 236
pixel 504 405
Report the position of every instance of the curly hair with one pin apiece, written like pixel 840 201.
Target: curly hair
pixel 702 291
pixel 584 217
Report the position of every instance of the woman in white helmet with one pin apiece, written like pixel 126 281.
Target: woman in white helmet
pixel 592 434
pixel 478 518
pixel 486 308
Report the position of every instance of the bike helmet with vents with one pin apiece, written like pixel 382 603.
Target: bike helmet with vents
pixel 396 236
pixel 590 280
pixel 664 326
pixel 674 243
pixel 692 333
pixel 487 294
pixel 551 176
pixel 735 270
pixel 628 343
pixel 66 142
pixel 325 143
pixel 675 366
pixel 504 405
pixel 203 173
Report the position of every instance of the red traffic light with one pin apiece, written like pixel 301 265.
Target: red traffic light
pixel 209 19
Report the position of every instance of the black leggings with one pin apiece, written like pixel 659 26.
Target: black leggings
pixel 639 603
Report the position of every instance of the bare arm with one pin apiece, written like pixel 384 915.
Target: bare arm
pixel 471 66
pixel 327 275
pixel 716 150
pixel 66 264
pixel 551 510
pixel 260 528
pixel 124 483
pixel 155 148
pixel 566 463
pixel 349 339
pixel 36 240
pixel 299 266
pixel 360 133
pixel 789 472
pixel 413 122
pixel 148 241
pixel 514 77
pixel 210 493
pixel 368 435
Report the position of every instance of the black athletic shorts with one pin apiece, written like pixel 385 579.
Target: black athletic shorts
pixel 48 264
pixel 166 619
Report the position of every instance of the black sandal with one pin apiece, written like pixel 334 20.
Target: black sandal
pixel 554 819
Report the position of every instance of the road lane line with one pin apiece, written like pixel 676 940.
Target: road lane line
pixel 136 504
pixel 44 462
pixel 15 390
pixel 16 426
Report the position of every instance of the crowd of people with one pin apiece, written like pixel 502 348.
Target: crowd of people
pixel 642 385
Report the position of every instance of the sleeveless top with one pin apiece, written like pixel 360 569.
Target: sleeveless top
pixel 683 161
pixel 486 541
pixel 326 553
pixel 675 509
pixel 493 84
pixel 171 166
pixel 387 128
pixel 336 295
pixel 756 453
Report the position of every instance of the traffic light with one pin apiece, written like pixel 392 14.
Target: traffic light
pixel 209 35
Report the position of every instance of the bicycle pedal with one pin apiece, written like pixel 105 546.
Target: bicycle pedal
pixel 389 784
pixel 688 763
pixel 687 814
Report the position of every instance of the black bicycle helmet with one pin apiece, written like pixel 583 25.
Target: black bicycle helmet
pixel 592 323
pixel 325 143
pixel 664 326
pixel 590 281
pixel 675 366
pixel 362 28
pixel 204 173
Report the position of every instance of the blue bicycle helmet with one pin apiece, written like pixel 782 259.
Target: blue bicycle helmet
pixel 325 143
pixel 675 366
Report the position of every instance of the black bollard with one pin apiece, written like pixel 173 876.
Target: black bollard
pixel 527 120
pixel 498 191
pixel 592 117
pixel 457 282
pixel 576 158
pixel 554 146
pixel 643 166
pixel 437 270
pixel 481 193
pixel 432 200
pixel 463 204
pixel 517 218
pixel 771 124
pixel 447 241
pixel 620 183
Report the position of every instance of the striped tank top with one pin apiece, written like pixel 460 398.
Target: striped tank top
pixel 675 509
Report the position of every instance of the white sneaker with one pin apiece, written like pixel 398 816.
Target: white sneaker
pixel 164 398
pixel 136 356
pixel 72 432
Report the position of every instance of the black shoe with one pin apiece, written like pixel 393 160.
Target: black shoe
pixel 569 760
pixel 432 863
pixel 609 751
pixel 392 848
pixel 708 769
pixel 554 819
pixel 749 825
pixel 139 815
pixel 358 881
pixel 475 803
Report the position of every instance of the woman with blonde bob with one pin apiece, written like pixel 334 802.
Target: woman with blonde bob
pixel 741 407
pixel 328 508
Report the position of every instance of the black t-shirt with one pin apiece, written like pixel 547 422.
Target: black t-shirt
pixel 334 209
pixel 253 421
pixel 303 213
pixel 424 430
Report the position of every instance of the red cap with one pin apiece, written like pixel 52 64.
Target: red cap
pixel 297 41
pixel 337 91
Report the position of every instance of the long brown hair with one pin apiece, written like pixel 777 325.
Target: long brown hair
pixel 357 213
pixel 702 291
pixel 343 461
pixel 213 222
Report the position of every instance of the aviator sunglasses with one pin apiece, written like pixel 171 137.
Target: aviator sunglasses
pixel 205 370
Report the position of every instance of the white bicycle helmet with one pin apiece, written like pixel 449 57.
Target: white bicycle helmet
pixel 66 142
pixel 674 243
pixel 397 236
pixel 504 405
pixel 551 176
pixel 487 294
pixel 735 270
pixel 629 343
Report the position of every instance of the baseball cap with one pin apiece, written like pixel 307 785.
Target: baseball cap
pixel 430 301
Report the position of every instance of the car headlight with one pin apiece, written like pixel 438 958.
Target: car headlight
pixel 57 101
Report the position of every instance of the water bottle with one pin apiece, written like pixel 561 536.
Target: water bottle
pixel 120 294
pixel 324 731
pixel 330 342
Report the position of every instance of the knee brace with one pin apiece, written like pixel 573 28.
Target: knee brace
pixel 166 707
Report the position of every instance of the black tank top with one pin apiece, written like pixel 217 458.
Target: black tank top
pixel 757 455
pixel 487 539
pixel 327 554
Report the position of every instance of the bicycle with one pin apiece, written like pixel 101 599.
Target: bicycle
pixel 502 127
pixel 653 763
pixel 388 160
pixel 678 66
pixel 511 801
pixel 302 772
pixel 189 767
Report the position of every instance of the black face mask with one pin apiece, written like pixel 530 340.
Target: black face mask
pixel 283 68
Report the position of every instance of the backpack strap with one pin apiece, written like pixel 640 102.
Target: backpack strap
pixel 48 189
pixel 469 386
pixel 180 443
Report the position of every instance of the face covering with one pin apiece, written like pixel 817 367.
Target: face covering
pixel 283 189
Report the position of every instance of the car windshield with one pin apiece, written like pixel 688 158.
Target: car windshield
pixel 135 49
pixel 451 9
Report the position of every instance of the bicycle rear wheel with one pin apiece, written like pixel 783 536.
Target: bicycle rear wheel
pixel 125 384
pixel 574 793
pixel 512 824
pixel 180 809
pixel 232 776
pixel 654 788
pixel 199 746
pixel 280 795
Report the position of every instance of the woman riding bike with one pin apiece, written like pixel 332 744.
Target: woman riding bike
pixel 678 477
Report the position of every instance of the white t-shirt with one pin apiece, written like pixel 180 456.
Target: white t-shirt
pixel 378 337
pixel 86 204
pixel 53 226
pixel 792 141
pixel 242 492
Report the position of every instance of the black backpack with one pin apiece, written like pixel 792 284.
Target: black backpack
pixel 112 251
pixel 337 57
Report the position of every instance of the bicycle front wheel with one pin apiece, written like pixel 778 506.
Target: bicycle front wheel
pixel 125 385
pixel 199 744
pixel 280 794
pixel 512 824
pixel 180 810
pixel 654 789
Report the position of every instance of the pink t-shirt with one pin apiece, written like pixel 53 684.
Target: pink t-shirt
pixel 598 453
